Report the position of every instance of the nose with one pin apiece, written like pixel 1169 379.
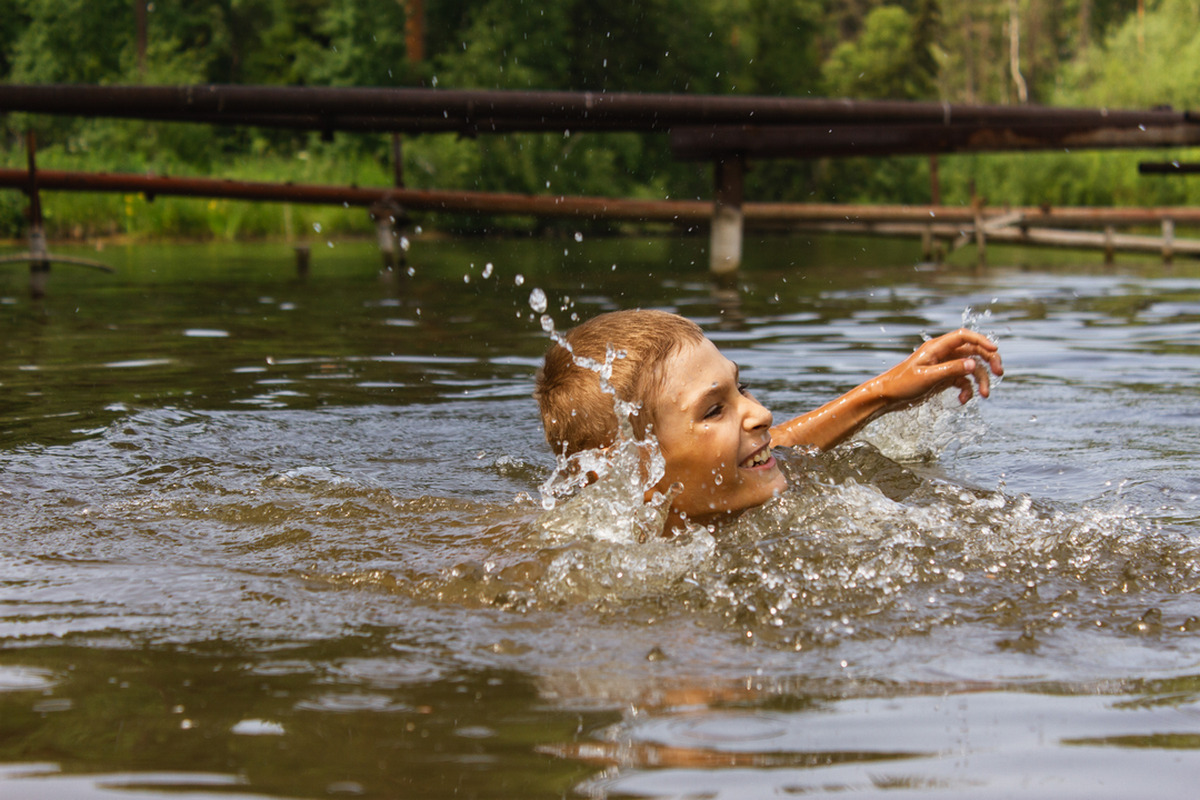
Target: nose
pixel 755 415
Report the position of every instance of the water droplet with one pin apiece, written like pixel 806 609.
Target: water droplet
pixel 317 227
pixel 578 236
pixel 487 270
pixel 519 280
pixel 405 243
pixel 537 300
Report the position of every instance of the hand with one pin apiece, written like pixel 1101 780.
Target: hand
pixel 948 360
pixel 938 364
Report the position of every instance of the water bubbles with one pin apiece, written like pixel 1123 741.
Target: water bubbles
pixel 537 301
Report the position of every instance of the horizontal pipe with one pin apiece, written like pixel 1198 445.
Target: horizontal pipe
pixel 576 206
pixel 410 199
pixel 576 110
pixel 822 141
pixel 1042 237
pixel 1168 168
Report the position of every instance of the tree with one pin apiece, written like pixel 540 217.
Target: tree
pixel 882 63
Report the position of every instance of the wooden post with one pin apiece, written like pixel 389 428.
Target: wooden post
pixel 414 30
pixel 725 257
pixel 1109 247
pixel 980 235
pixel 139 12
pixel 302 258
pixel 1168 246
pixel 39 256
pixel 397 162
pixel 935 182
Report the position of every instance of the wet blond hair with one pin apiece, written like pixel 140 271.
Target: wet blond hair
pixel 577 413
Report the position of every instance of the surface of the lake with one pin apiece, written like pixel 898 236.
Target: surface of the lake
pixel 263 536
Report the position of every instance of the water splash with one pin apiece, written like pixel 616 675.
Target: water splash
pixel 940 426
pixel 612 489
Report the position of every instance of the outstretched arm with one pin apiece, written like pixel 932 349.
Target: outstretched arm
pixel 940 363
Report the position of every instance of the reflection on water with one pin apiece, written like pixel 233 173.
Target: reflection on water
pixel 261 536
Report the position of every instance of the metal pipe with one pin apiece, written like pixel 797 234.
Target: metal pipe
pixel 688 211
pixel 574 110
pixel 703 143
pixel 1167 168
pixel 409 199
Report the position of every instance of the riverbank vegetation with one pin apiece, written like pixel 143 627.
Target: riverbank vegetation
pixel 1116 53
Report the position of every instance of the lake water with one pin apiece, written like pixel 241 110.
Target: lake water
pixel 263 536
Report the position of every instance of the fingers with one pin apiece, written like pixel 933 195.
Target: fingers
pixel 957 373
pixel 965 390
pixel 982 378
pixel 963 343
pixel 967 341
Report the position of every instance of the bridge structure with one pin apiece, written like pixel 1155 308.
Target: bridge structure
pixel 726 131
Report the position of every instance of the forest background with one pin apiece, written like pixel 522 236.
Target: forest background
pixel 1132 54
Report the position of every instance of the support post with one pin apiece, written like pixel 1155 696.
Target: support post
pixel 935 182
pixel 389 219
pixel 1110 248
pixel 39 256
pixel 1168 235
pixel 725 257
pixel 980 234
pixel 302 261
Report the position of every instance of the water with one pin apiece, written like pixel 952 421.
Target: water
pixel 262 536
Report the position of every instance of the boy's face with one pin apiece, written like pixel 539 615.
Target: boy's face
pixel 715 437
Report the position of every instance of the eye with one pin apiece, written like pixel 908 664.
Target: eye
pixel 715 411
pixel 743 388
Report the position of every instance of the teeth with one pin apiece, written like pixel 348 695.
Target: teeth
pixel 760 458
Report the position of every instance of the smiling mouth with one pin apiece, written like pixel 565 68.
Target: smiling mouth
pixel 760 459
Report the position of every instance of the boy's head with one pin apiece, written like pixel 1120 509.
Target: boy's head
pixel 714 436
pixel 576 412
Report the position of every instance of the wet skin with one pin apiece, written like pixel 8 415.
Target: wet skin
pixel 715 438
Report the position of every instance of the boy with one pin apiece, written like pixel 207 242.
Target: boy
pixel 715 438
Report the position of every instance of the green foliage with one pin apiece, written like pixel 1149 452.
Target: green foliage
pixel 71 41
pixel 778 47
pixel 881 64
pixel 1071 52
pixel 1144 62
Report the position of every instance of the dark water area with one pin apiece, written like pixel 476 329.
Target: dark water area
pixel 264 536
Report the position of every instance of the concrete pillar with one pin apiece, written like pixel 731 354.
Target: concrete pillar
pixel 1168 248
pixel 725 257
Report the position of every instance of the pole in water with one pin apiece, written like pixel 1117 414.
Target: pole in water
pixel 39 258
pixel 727 221
pixel 302 260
